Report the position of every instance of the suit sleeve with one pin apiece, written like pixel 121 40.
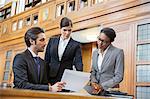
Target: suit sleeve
pixel 119 72
pixel 21 76
pixel 78 59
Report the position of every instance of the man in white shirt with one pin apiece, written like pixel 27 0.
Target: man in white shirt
pixel 30 71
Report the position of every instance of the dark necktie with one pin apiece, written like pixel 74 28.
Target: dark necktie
pixel 37 61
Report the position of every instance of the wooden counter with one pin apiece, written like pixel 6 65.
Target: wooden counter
pixel 30 94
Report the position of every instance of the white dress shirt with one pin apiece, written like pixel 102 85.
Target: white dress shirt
pixel 61 47
pixel 33 54
pixel 100 58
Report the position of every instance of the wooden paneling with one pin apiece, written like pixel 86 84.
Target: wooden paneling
pixel 125 41
pixel 86 56
pixel 2 62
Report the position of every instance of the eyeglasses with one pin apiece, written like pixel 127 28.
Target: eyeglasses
pixel 102 41
pixel 69 30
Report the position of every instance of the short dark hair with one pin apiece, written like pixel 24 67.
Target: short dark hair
pixel 32 33
pixel 65 22
pixel 109 32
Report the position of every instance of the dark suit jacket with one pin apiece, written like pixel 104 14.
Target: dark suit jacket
pixel 25 72
pixel 71 56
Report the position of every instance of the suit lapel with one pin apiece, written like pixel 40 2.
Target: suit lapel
pixel 32 64
pixel 106 57
pixel 55 45
pixel 96 60
pixel 41 70
pixel 67 49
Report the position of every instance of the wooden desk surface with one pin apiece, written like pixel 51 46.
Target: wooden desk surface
pixel 30 94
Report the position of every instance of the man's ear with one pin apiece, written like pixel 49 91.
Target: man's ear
pixel 31 41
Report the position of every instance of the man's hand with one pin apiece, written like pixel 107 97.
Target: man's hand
pixel 57 86
pixel 97 88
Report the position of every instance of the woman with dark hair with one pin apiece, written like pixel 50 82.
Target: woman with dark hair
pixel 107 63
pixel 63 52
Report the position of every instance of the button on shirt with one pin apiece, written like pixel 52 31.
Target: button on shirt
pixel 61 47
pixel 101 57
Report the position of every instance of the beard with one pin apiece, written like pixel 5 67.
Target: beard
pixel 40 49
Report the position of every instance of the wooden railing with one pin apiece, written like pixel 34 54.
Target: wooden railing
pixel 30 94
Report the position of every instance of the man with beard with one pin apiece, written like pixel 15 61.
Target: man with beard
pixel 30 71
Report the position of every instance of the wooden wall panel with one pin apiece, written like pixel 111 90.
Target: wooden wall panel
pixel 2 62
pixel 125 41
pixel 86 56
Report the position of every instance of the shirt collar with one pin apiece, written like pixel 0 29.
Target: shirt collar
pixel 99 51
pixel 61 39
pixel 33 54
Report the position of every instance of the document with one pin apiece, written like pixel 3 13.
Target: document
pixel 75 80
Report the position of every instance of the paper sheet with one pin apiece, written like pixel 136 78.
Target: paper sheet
pixel 75 80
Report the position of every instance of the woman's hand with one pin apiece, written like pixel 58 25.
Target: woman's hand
pixel 97 88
